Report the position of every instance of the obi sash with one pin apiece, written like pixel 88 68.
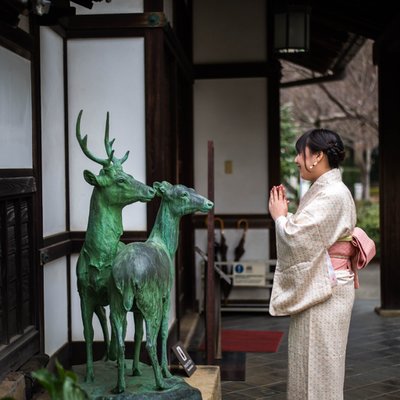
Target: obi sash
pixel 352 253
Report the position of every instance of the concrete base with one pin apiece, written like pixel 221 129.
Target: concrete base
pixel 387 313
pixel 208 380
pixel 13 386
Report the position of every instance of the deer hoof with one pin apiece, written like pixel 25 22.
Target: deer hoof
pixel 166 373
pixel 118 390
pixel 163 385
pixel 136 372
pixel 89 378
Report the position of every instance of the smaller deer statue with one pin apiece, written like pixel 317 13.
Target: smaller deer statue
pixel 142 278
pixel 113 189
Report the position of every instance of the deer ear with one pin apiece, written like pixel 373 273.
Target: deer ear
pixel 161 188
pixel 90 178
pixel 158 187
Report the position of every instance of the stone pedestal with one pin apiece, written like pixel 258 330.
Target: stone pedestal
pixel 137 387
pixel 208 380
pixel 387 313
pixel 13 385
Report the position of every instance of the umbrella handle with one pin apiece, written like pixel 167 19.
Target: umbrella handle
pixel 221 223
pixel 245 222
pixel 219 220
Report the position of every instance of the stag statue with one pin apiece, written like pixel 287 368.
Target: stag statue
pixel 142 278
pixel 113 189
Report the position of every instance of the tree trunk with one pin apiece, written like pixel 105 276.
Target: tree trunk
pixel 367 173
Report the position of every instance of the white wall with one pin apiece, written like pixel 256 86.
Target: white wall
pixel 53 149
pixel 15 111
pixel 232 113
pixel 229 31
pixel 106 75
pixel 55 305
pixel 114 7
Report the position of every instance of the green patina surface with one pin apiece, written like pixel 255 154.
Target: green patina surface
pixel 137 277
pixel 137 388
pixel 113 189
pixel 142 279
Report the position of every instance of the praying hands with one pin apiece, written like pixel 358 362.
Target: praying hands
pixel 278 204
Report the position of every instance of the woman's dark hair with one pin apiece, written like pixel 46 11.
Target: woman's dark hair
pixel 324 140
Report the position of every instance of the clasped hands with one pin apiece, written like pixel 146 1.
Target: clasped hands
pixel 278 203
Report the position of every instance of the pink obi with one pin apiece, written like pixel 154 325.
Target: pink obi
pixel 352 255
pixel 340 254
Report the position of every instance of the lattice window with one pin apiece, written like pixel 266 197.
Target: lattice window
pixel 17 312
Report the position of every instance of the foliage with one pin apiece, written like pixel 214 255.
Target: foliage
pixel 61 386
pixel 350 176
pixel 289 172
pixel 368 219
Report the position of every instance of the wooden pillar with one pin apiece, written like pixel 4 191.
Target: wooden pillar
pixel 273 116
pixel 210 274
pixel 387 57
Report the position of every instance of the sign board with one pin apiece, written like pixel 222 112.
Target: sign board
pixel 184 359
pixel 249 273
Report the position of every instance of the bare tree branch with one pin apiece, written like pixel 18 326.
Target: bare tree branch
pixel 348 106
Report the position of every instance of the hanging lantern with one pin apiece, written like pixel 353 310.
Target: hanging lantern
pixel 292 29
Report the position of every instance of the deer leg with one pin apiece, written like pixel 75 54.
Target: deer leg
pixel 87 310
pixel 101 314
pixel 151 342
pixel 138 341
pixel 117 325
pixel 164 338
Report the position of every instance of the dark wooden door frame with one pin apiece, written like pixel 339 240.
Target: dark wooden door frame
pixel 19 183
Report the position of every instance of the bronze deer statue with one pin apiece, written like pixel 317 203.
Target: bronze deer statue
pixel 113 189
pixel 142 278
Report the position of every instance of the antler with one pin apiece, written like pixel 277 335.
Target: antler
pixel 107 144
pixel 83 144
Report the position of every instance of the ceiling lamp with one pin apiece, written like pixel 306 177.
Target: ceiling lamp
pixel 292 29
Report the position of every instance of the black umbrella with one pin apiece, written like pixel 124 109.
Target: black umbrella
pixel 222 257
pixel 239 249
pixel 222 246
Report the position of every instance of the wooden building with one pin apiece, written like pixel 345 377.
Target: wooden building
pixel 172 74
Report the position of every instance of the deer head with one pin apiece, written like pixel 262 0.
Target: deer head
pixel 116 186
pixel 181 199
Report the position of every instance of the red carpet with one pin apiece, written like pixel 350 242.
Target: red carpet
pixel 250 341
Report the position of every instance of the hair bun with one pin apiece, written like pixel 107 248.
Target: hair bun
pixel 335 152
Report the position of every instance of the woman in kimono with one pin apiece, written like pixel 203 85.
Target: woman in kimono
pixel 313 284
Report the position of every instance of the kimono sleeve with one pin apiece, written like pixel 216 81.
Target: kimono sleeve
pixel 297 239
pixel 313 229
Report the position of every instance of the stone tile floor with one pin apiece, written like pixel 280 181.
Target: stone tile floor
pixel 373 354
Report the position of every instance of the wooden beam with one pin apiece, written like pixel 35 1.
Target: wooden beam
pixel 255 221
pixel 17 186
pixel 232 70
pixel 16 40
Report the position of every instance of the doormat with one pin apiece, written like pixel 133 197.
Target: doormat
pixel 247 341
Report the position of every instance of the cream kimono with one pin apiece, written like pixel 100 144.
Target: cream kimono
pixel 320 313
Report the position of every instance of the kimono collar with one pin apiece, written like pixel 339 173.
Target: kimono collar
pixel 328 178
pixel 333 175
